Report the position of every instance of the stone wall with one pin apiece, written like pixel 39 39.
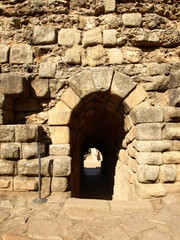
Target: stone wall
pixel 109 69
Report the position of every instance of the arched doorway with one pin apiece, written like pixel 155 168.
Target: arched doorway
pixel 98 122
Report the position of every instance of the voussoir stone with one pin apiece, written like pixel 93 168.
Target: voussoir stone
pixel 69 37
pixel 102 78
pixel 21 54
pixel 132 19
pixel 44 35
pixel 12 83
pixel 62 166
pixel 121 85
pixel 70 98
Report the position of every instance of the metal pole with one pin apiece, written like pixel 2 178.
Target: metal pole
pixel 39 199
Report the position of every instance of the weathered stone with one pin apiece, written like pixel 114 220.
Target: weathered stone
pixel 7 133
pixel 6 183
pixel 132 54
pixel 150 190
pixel 121 85
pixel 174 97
pixel 73 56
pixel 69 37
pixel 4 53
pixel 175 146
pixel 12 83
pixel 46 185
pixel 10 151
pixel 60 114
pixel 147 115
pixel 153 146
pixel 7 167
pixel 82 83
pixel 132 19
pixel 131 135
pixel 25 184
pixel 135 98
pixel 171 114
pixel 44 35
pixel 27 133
pixel 102 78
pixel 62 166
pixel 59 149
pixel 40 87
pixel 29 150
pixel 172 131
pixel 132 166
pixel 171 157
pixel 109 6
pixel 21 54
pixel 168 173
pixel 157 69
pixel 156 83
pixel 174 79
pixel 128 123
pixel 30 167
pixel 96 55
pixel 92 37
pixel 59 184
pixel 149 158
pixel 148 131
pixel 109 38
pixel 131 151
pixel 115 56
pixel 123 156
pixel 47 69
pixel 147 174
pixel 70 98
pixel 59 135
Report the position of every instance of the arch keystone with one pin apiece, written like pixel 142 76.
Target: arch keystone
pixel 102 78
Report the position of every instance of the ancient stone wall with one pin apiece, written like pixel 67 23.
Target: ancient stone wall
pixel 100 71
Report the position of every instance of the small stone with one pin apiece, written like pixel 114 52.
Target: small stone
pixel 47 69
pixel 21 54
pixel 172 157
pixel 109 6
pixel 44 35
pixel 172 131
pixel 132 54
pixel 7 167
pixel 92 37
pixel 109 37
pixel 69 37
pixel 29 150
pixel 4 53
pixel 132 19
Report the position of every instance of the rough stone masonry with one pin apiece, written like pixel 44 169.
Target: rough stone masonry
pixel 75 73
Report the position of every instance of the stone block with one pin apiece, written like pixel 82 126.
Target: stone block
pixel 92 37
pixel 96 56
pixel 7 167
pixel 156 83
pixel 40 87
pixel 21 54
pixel 4 53
pixel 131 151
pixel 132 54
pixel 123 156
pixel 115 56
pixel 150 190
pixel 135 98
pixel 168 173
pixel 6 183
pixel 148 131
pixel 62 166
pixel 46 185
pixel 10 151
pixel 59 135
pixel 128 123
pixel 109 38
pixel 7 133
pixel 147 115
pixel 155 68
pixel 12 83
pixel 82 83
pixel 59 149
pixel 31 167
pixel 172 157
pixel 175 146
pixel 174 79
pixel 73 56
pixel 121 85
pixel 132 19
pixel 153 146
pixel 29 150
pixel 69 37
pixel 59 184
pixel 172 131
pixel 102 78
pixel 146 173
pixel 130 136
pixel 171 114
pixel 59 115
pixel 70 98
pixel 47 69
pixel 27 133
pixel 149 158
pixel 174 97
pixel 109 6
pixel 132 165
pixel 44 35
pixel 25 184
